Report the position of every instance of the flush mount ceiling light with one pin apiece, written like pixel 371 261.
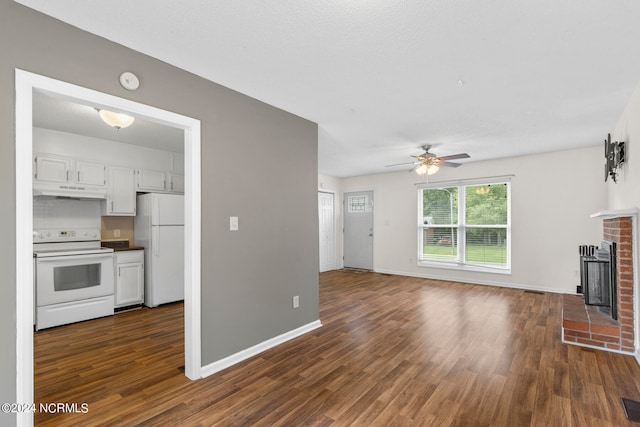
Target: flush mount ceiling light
pixel 115 120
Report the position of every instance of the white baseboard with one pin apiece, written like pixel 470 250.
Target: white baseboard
pixel 473 282
pixel 221 364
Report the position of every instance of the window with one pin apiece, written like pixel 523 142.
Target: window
pixel 465 226
pixel 358 203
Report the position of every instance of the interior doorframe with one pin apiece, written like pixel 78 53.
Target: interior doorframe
pixel 25 83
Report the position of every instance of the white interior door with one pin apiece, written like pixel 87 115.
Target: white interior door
pixel 327 231
pixel 358 230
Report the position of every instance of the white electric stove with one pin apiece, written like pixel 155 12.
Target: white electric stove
pixel 74 276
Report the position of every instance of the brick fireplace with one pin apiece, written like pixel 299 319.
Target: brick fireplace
pixel 588 326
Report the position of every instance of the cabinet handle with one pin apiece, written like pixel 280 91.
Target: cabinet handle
pixel 78 176
pixel 112 206
pixel 67 174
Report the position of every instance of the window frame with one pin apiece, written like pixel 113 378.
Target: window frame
pixel 461 226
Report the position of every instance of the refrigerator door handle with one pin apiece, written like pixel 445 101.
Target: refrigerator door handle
pixel 155 240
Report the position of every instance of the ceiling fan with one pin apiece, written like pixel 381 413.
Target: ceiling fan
pixel 429 163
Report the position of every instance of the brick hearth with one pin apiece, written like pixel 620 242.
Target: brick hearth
pixel 586 325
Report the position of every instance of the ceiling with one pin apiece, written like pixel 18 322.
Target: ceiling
pixel 496 78
pixel 52 112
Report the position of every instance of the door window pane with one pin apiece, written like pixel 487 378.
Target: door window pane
pixel 357 203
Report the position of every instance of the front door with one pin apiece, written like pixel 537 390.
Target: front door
pixel 358 230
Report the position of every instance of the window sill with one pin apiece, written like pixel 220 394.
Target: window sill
pixel 464 267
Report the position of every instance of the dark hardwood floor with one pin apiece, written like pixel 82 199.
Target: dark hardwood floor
pixel 393 351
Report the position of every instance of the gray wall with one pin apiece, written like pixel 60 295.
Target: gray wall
pixel 258 163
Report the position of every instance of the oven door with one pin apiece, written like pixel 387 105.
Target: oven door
pixel 73 278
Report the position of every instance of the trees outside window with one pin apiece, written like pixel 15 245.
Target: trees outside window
pixel 465 225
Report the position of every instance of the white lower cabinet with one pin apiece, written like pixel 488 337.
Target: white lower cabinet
pixel 129 278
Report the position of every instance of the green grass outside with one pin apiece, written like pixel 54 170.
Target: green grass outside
pixel 474 253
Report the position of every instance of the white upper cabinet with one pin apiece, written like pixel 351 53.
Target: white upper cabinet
pixel 156 181
pixel 52 169
pixel 76 165
pixel 150 180
pixel 91 173
pixel 121 197
pixel 58 169
pixel 175 183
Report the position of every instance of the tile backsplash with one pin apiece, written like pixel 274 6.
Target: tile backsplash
pixel 51 213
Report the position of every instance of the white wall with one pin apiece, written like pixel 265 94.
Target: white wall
pixel 553 196
pixel 625 193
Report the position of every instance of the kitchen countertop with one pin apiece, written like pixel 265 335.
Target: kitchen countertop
pixel 120 245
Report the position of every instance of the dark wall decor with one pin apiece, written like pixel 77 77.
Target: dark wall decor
pixel 614 154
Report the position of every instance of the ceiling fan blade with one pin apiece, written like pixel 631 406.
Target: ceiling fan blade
pixel 455 156
pixel 401 164
pixel 450 164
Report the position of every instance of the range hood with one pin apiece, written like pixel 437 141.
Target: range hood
pixel 71 192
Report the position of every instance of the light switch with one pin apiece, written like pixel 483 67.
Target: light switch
pixel 233 223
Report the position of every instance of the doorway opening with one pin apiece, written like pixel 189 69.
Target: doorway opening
pixel 26 84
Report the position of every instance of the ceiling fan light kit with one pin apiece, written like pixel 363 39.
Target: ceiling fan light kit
pixel 428 163
pixel 428 167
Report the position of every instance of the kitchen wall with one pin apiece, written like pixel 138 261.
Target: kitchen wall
pixel 258 163
pixel 553 196
pixel 111 225
pixel 52 213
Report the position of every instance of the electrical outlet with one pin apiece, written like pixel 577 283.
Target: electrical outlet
pixel 116 232
pixel 296 301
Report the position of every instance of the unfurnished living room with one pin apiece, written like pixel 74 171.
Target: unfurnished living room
pixel 382 213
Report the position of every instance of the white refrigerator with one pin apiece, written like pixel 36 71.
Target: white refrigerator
pixel 159 227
